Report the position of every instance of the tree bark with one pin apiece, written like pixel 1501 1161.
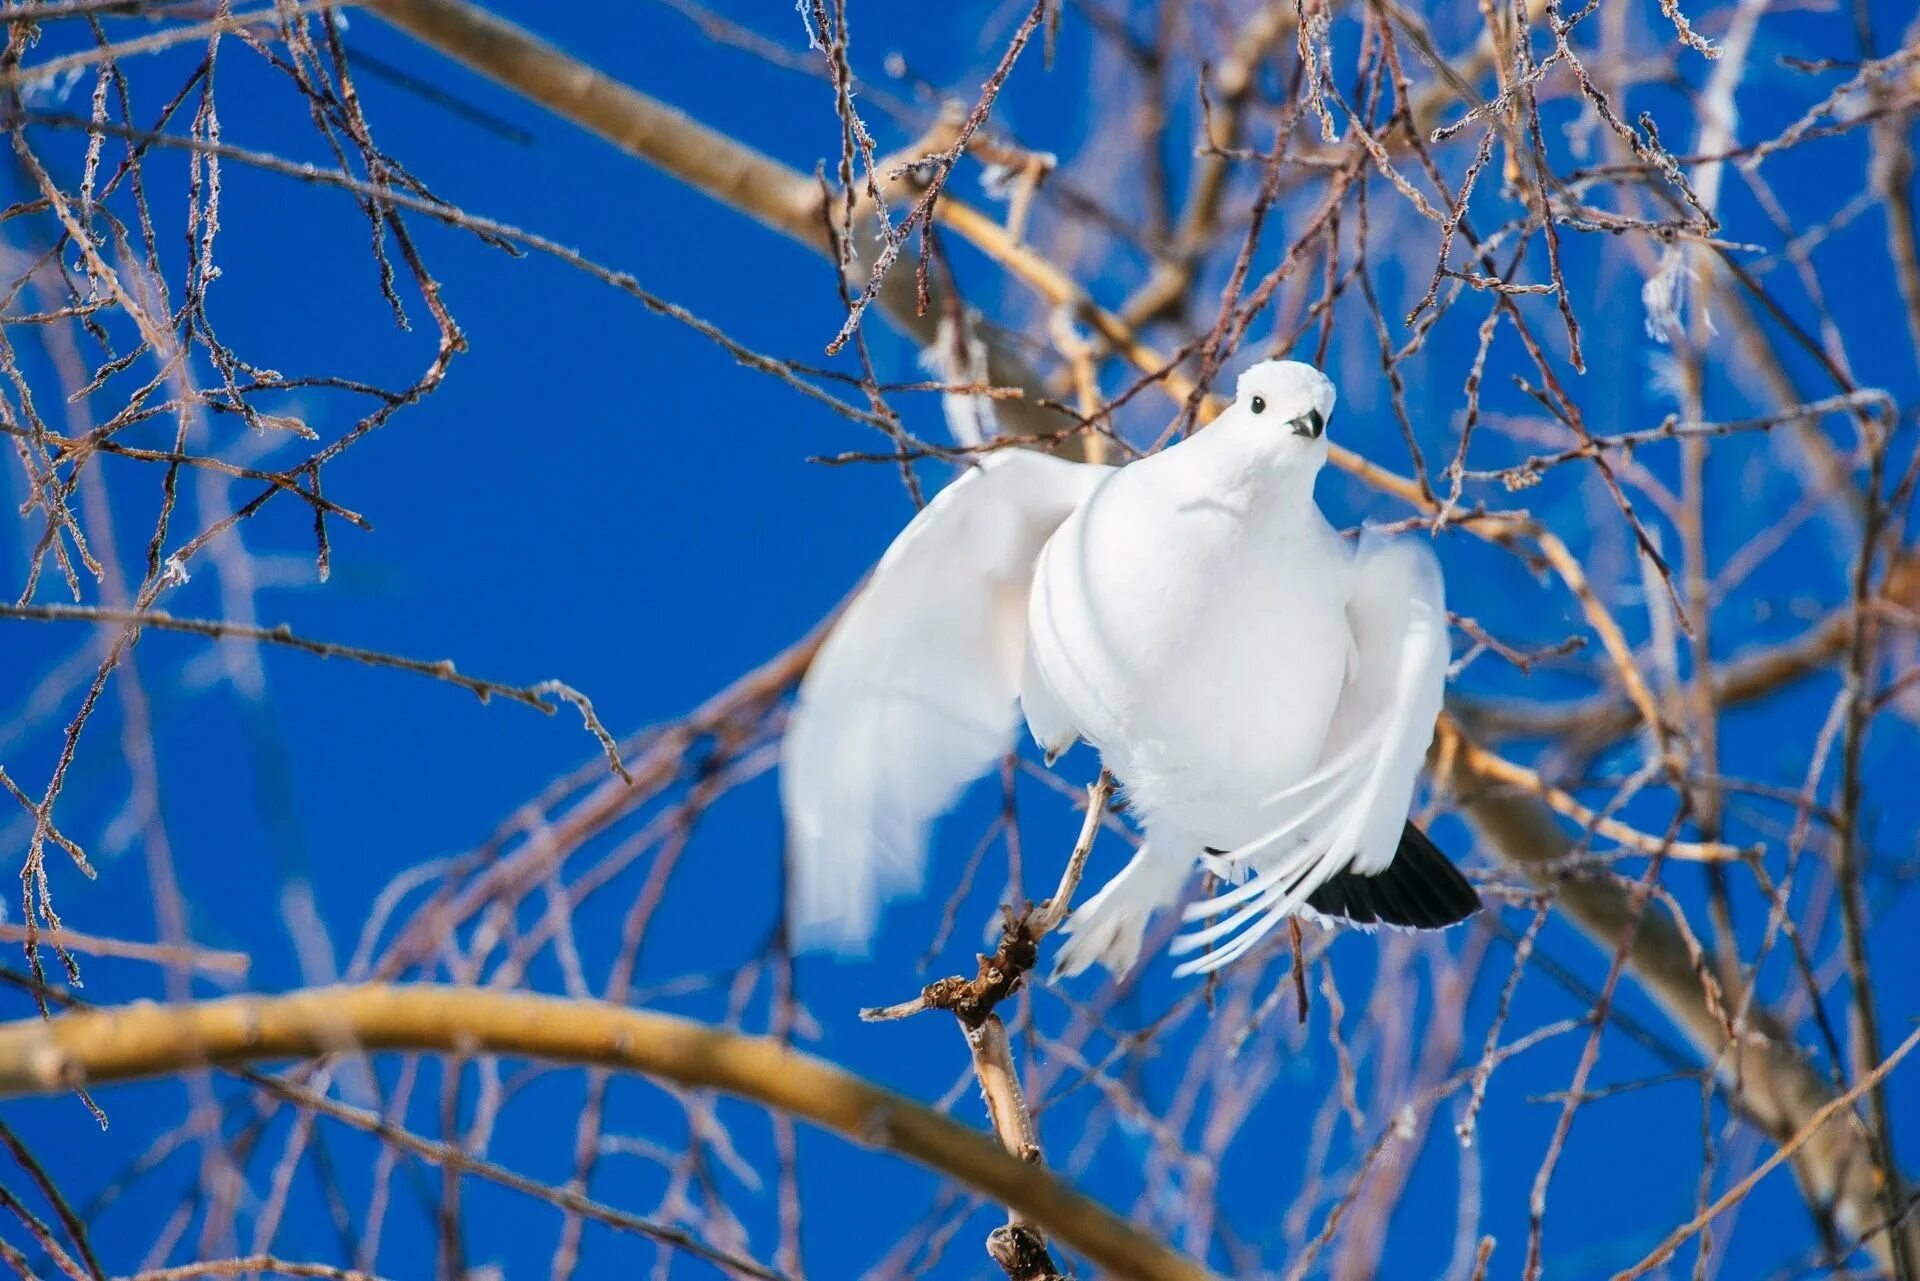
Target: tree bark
pixel 102 1046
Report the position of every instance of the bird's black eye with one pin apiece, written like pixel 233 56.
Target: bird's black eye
pixel 1259 404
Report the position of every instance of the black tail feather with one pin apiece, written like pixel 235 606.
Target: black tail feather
pixel 1420 890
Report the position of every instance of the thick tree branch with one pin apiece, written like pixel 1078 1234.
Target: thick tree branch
pixel 748 181
pixel 103 1046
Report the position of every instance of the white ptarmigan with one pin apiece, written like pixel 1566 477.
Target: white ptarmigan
pixel 1263 691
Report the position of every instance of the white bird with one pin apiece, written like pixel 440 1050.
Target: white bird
pixel 1264 692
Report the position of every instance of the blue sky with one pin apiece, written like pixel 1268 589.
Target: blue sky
pixel 600 495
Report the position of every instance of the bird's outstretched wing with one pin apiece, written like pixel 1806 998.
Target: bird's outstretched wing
pixel 1351 814
pixel 1398 616
pixel 913 694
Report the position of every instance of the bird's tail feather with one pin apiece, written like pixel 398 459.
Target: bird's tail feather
pixel 1419 890
pixel 1285 888
pixel 1109 927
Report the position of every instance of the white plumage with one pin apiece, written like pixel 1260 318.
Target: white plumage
pixel 1264 692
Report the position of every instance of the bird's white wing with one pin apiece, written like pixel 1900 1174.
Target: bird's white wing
pixel 1350 813
pixel 1393 695
pixel 912 695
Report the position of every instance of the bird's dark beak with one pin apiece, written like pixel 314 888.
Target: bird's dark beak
pixel 1309 424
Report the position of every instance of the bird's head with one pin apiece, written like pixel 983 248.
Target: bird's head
pixel 1285 404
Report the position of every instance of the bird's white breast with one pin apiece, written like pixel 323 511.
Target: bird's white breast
pixel 1199 639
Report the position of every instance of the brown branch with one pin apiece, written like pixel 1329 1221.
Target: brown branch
pixel 1594 722
pixel 205 960
pixel 776 196
pixel 1167 286
pixel 1490 768
pixel 138 1042
pixel 1768 1080
pixel 1020 1248
pixel 1001 974
pixel 535 696
pixel 1054 911
pixel 249 1266
pixel 1736 1193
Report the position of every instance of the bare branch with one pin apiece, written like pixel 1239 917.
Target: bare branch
pixel 101 1047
